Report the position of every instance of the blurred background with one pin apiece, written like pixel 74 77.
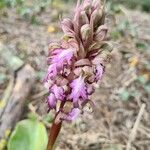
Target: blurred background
pixel 121 119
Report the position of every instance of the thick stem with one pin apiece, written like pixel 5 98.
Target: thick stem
pixel 54 131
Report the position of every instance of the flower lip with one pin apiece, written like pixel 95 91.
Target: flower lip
pixel 99 72
pixel 79 89
pixel 58 92
pixel 62 56
pixel 52 70
pixel 72 115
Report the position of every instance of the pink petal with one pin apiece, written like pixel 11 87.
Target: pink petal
pixel 67 27
pixel 79 89
pixel 58 92
pixel 90 89
pixel 73 114
pixel 52 70
pixel 62 57
pixel 48 84
pixel 99 72
pixel 51 101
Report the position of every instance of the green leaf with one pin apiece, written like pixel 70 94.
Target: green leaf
pixel 28 135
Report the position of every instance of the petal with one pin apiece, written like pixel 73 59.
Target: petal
pixel 99 72
pixel 52 69
pixel 48 84
pixel 58 92
pixel 62 57
pixel 82 62
pixel 73 114
pixel 51 101
pixel 67 27
pixel 79 89
pixel 61 81
pixel 90 89
pixel 101 33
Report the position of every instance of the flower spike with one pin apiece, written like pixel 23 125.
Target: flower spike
pixel 77 62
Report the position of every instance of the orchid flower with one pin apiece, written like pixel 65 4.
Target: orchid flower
pixel 77 61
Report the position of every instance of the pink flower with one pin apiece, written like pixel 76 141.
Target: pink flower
pixel 73 114
pixel 58 92
pixel 52 70
pixel 47 83
pixel 99 72
pixel 79 89
pixel 78 60
pixel 62 57
pixel 51 101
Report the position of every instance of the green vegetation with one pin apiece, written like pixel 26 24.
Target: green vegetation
pixel 27 136
pixel 132 4
pixel 26 8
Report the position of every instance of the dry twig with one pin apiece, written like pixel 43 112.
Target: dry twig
pixel 135 127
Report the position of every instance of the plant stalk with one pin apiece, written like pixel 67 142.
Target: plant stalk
pixel 54 131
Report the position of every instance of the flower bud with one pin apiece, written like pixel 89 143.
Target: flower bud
pixel 101 33
pixel 82 62
pixel 87 6
pixel 67 27
pixel 85 32
pixel 53 45
pixel 84 18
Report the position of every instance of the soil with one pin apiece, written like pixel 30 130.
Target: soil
pixel 120 95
